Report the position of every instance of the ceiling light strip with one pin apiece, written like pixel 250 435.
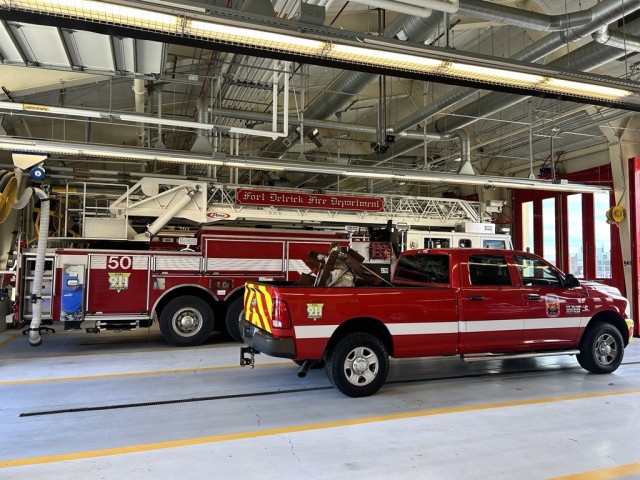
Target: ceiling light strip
pixel 126 117
pixel 254 37
pixel 123 153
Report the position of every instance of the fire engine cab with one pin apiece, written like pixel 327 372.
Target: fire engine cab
pixel 127 260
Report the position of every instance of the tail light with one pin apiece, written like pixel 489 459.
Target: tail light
pixel 281 317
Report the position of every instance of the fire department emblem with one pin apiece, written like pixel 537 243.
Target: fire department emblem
pixel 118 281
pixel 553 305
pixel 314 310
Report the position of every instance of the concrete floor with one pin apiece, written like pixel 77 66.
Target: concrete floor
pixel 127 406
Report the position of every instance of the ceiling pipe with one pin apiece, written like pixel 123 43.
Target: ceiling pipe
pixel 138 93
pixel 495 101
pixel 607 11
pixel 349 83
pixel 202 144
pixel 583 59
pixel 577 25
pixel 628 41
pixel 326 124
pixel 571 25
pixel 399 7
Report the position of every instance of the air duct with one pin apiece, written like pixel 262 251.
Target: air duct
pixel 584 58
pixel 349 83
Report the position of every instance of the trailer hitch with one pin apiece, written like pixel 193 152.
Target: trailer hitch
pixel 247 356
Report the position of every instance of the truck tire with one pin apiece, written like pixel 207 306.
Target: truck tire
pixel 232 318
pixel 358 365
pixel 186 321
pixel 601 349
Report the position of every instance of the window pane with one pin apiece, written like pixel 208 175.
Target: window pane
pixel 535 273
pixel 527 226
pixel 603 235
pixel 574 220
pixel 423 269
pixel 549 229
pixel 488 270
pixel 491 243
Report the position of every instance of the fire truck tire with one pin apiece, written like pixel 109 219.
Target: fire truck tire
pixel 232 319
pixel 601 349
pixel 358 364
pixel 186 321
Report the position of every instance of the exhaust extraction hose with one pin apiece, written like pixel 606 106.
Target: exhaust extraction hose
pixel 35 338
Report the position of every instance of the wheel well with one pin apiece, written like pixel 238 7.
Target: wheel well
pixel 612 318
pixel 367 325
pixel 182 291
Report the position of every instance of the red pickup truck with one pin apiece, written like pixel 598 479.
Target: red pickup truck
pixel 476 303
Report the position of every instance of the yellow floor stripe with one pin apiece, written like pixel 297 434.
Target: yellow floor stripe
pixel 132 374
pixel 299 428
pixel 8 340
pixel 119 352
pixel 605 473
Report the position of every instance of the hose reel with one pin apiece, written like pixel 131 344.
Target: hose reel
pixel 8 191
pixel 616 214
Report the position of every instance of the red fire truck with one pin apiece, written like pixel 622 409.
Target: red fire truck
pixel 123 268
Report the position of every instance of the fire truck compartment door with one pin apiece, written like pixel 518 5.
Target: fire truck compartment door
pixel 118 284
pixel 246 257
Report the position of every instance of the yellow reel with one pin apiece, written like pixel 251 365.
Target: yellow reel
pixel 616 214
pixel 8 191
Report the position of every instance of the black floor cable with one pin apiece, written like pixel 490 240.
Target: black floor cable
pixel 274 392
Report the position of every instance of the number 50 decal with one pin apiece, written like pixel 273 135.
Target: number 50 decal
pixel 119 263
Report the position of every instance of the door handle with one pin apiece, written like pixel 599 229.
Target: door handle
pixel 475 298
pixel 534 296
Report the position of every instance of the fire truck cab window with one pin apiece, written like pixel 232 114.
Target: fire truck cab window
pixel 423 269
pixel 430 242
pixel 488 270
pixel 493 243
pixel 464 243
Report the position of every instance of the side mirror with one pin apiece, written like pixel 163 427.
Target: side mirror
pixel 570 281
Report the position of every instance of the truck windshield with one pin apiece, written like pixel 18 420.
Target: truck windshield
pixel 423 269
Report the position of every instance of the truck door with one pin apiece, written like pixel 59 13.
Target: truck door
pixel 491 309
pixel 553 312
pixel 118 284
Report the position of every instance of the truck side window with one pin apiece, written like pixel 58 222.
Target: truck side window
pixel 536 273
pixel 423 269
pixel 488 270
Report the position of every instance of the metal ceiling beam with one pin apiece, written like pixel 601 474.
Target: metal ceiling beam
pixel 111 152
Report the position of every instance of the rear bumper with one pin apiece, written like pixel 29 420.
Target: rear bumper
pixel 266 343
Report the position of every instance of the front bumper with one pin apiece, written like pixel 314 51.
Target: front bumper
pixel 266 343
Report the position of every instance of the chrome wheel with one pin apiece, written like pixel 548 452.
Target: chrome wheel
pixel 187 322
pixel 606 349
pixel 361 366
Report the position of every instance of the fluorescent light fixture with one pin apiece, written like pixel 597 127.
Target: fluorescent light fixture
pixel 101 12
pixel 581 89
pixel 258 37
pixel 493 75
pixel 369 56
pixel 253 165
pixel 255 38
pixel 125 153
